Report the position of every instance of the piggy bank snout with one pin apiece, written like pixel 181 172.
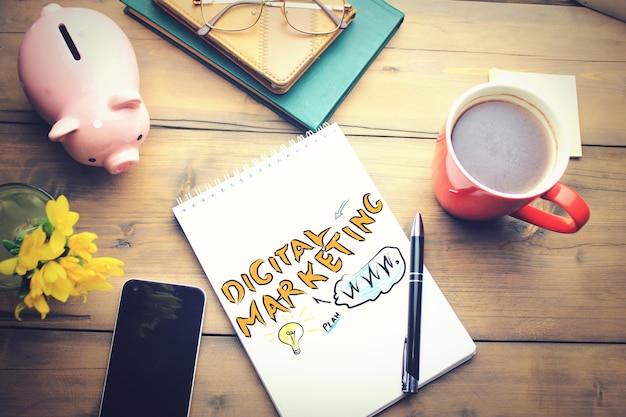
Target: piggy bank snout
pixel 121 161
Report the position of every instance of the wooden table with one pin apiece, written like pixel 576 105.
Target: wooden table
pixel 548 311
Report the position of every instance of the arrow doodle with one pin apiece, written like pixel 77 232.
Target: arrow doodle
pixel 339 212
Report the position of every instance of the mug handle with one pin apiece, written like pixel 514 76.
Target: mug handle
pixel 564 197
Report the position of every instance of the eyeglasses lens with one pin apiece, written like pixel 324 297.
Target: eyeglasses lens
pixel 239 15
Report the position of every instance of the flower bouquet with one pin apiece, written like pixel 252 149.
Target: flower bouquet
pixel 53 261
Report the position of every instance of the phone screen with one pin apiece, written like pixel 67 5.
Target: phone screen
pixel 153 354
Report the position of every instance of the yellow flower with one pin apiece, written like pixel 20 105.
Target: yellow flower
pixel 56 246
pixel 31 251
pixel 58 263
pixel 7 267
pixel 91 282
pixel 75 271
pixel 60 216
pixel 91 275
pixel 35 298
pixel 39 303
pixel 82 244
pixel 52 278
pixel 28 257
pixel 34 249
pixel 106 265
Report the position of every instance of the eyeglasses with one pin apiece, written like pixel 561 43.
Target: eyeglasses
pixel 313 17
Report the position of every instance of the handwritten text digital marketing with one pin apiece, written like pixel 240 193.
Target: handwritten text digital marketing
pixel 325 251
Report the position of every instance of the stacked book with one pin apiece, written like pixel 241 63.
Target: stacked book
pixel 315 96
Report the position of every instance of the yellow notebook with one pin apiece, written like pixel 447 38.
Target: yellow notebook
pixel 311 267
pixel 271 51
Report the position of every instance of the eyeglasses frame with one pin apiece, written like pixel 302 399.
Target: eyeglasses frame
pixel 209 25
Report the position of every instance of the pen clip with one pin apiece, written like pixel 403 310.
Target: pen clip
pixel 405 366
pixel 409 382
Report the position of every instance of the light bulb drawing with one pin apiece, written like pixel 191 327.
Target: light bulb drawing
pixel 290 334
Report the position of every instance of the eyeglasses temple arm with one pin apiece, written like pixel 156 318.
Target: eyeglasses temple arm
pixel 338 21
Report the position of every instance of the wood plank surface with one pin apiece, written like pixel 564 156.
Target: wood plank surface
pixel 504 379
pixel 547 310
pixel 452 55
pixel 531 285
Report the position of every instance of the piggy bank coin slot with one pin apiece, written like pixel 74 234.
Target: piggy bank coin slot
pixel 69 42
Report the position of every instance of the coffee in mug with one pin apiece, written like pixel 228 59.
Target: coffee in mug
pixel 500 148
pixel 503 146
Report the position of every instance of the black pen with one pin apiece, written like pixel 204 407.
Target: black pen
pixel 412 342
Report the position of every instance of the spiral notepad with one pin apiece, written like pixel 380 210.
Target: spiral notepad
pixel 310 266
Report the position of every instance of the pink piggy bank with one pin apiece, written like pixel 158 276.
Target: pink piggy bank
pixel 79 71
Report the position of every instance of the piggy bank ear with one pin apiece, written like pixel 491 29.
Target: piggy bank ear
pixel 124 101
pixel 50 8
pixel 63 127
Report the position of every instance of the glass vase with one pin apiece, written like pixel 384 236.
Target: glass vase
pixel 22 208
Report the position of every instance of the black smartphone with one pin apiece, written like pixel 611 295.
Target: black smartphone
pixel 154 350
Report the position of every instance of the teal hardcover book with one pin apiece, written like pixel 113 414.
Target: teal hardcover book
pixel 316 96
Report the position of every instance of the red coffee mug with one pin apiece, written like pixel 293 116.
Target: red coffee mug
pixel 463 196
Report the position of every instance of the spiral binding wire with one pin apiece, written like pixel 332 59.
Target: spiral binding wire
pixel 248 172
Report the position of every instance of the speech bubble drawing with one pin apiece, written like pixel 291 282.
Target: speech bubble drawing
pixel 377 277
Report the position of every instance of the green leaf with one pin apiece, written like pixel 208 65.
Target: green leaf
pixel 10 245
